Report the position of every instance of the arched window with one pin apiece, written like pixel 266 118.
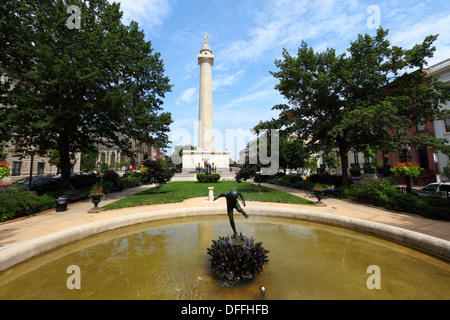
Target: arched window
pixel 113 159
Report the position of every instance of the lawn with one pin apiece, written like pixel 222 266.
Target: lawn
pixel 181 190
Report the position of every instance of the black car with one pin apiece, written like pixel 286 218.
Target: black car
pixel 40 184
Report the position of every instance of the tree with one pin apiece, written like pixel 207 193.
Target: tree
pixel 155 172
pixel 65 88
pixel 89 158
pixel 349 101
pixel 250 171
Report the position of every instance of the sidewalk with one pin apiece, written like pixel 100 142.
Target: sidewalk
pixel 436 228
pixel 15 231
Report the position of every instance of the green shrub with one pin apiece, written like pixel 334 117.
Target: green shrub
pixel 355 172
pixel 284 181
pixel 435 207
pixel 129 182
pixel 374 191
pixel 46 202
pixel 441 213
pixel 110 176
pixel 205 178
pixel 20 202
pixel 328 179
pixel 404 202
pixel 132 174
pixel 84 181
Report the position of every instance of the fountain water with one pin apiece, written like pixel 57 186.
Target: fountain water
pixel 166 259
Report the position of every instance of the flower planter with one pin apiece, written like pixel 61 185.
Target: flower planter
pixel 319 195
pixel 96 199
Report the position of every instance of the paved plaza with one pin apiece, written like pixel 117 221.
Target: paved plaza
pixel 16 231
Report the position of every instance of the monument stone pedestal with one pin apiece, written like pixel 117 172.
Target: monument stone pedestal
pixel 192 159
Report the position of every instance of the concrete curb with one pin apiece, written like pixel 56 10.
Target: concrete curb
pixel 17 253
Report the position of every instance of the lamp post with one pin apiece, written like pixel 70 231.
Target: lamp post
pixel 407 157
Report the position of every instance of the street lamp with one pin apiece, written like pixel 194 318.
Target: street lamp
pixel 406 147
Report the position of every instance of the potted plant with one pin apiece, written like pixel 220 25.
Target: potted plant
pixel 407 170
pixel 96 193
pixel 318 191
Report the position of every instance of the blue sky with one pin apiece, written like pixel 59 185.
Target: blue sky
pixel 247 36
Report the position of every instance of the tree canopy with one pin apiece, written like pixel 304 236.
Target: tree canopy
pixel 66 88
pixel 355 100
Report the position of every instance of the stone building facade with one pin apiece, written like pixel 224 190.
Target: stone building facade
pixel 22 164
pixel 111 154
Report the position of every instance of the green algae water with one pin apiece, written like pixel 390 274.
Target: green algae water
pixel 168 260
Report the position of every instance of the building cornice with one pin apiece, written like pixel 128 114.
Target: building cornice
pixel 439 68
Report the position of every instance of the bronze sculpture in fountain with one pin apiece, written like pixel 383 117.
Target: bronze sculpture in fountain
pixel 233 203
pixel 236 258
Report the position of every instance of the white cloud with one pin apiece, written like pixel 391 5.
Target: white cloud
pixel 427 25
pixel 187 96
pixel 226 80
pixel 150 13
pixel 285 23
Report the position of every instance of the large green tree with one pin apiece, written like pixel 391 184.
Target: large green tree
pixel 67 86
pixel 358 99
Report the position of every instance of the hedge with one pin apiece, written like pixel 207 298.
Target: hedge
pixel 383 193
pixel 205 178
pixel 19 202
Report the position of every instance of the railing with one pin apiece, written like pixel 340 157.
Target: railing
pixel 425 193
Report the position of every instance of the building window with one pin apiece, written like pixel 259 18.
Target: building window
pixel 421 127
pixel 41 167
pixel 16 168
pixel 423 158
pixel 356 159
pixel 447 125
pixel 113 160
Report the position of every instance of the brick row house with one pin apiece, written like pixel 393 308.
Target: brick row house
pixel 435 164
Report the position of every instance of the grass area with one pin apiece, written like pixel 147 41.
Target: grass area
pixel 181 190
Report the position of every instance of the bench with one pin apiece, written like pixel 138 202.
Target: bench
pixel 75 195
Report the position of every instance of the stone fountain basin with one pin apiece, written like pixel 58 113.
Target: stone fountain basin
pixel 17 253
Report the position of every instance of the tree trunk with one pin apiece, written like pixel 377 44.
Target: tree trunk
pixel 64 161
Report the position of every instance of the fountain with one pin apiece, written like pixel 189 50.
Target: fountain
pixel 160 255
pixel 236 258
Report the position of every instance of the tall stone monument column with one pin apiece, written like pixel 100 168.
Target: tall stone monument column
pixel 205 134
pixel 205 157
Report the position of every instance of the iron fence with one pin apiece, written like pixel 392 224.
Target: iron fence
pixel 425 193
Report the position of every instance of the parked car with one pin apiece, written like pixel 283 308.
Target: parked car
pixel 40 184
pixel 435 188
pixel 49 175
